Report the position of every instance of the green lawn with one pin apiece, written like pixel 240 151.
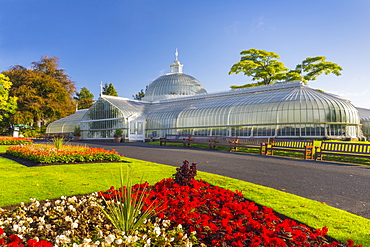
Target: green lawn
pixel 19 183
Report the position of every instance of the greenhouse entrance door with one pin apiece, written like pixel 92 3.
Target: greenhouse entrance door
pixel 136 131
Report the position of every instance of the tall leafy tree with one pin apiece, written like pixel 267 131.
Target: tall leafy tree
pixel 44 92
pixel 265 68
pixel 262 66
pixel 110 90
pixel 8 104
pixel 85 99
pixel 311 68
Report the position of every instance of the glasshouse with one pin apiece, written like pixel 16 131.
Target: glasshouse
pixel 177 103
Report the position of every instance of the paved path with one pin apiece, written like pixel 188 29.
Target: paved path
pixel 342 186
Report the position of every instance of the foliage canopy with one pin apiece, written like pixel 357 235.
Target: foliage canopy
pixel 8 104
pixel 264 67
pixel 85 99
pixel 109 90
pixel 44 92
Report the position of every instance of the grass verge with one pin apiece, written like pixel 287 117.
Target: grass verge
pixel 19 183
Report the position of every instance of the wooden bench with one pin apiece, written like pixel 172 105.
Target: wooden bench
pixel 224 141
pixel 252 143
pixel 173 139
pixel 201 140
pixel 295 146
pixel 359 150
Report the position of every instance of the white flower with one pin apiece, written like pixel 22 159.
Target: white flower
pixel 119 241
pixel 74 225
pixel 16 228
pixel 87 240
pixel 70 207
pixel 48 226
pixel 157 231
pixel 109 239
pixel 166 223
pixel 62 239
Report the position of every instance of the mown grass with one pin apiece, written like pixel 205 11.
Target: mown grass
pixel 19 183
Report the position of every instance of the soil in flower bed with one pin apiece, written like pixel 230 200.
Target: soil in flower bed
pixel 30 163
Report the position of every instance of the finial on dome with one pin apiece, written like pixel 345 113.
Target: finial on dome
pixel 176 67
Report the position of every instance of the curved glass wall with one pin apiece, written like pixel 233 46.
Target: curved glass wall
pixel 67 124
pixel 280 110
pixel 108 114
pixel 286 110
pixel 365 121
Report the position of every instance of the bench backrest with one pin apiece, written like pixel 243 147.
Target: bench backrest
pixel 225 139
pixel 177 137
pixel 346 147
pixel 203 138
pixel 292 143
pixel 256 141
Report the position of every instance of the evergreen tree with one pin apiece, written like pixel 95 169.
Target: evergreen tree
pixel 109 90
pixel 85 99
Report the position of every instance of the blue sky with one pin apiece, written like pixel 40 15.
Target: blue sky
pixel 131 43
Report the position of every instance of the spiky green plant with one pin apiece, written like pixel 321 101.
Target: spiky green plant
pixel 58 142
pixel 126 211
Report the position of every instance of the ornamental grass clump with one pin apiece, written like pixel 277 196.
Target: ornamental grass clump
pixel 184 174
pixel 126 211
pixel 58 142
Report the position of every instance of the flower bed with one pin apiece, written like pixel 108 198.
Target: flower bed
pixel 80 222
pixel 189 213
pixel 223 218
pixel 47 154
pixel 6 140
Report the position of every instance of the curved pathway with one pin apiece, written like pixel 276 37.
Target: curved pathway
pixel 343 186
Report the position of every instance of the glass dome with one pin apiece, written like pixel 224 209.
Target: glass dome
pixel 173 85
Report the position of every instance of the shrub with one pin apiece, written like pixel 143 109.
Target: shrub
pixel 184 174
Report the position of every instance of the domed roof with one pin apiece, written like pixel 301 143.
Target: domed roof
pixel 174 84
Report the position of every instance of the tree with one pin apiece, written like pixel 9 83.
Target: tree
pixel 311 68
pixel 261 65
pixel 8 104
pixel 109 90
pixel 85 99
pixel 44 92
pixel 264 68
pixel 140 94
